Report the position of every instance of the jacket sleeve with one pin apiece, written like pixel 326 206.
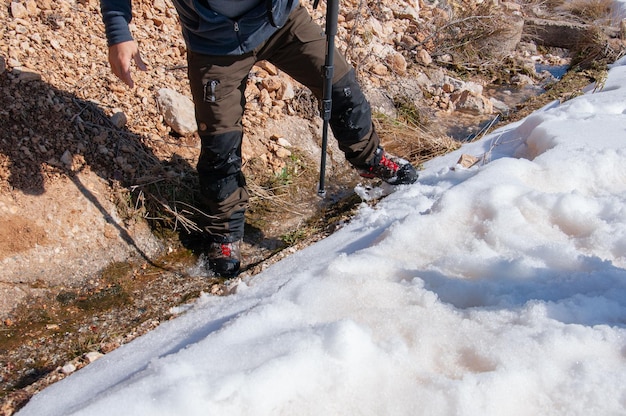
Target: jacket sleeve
pixel 116 15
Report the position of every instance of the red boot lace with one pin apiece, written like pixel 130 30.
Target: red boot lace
pixel 226 250
pixel 389 164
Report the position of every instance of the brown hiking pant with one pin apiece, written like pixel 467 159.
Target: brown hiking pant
pixel 218 85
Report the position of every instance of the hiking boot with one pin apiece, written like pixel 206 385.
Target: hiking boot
pixel 225 258
pixel 391 169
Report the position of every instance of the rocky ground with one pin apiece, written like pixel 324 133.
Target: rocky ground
pixel 97 231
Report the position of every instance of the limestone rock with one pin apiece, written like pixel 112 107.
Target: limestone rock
pixel 267 66
pixel 18 10
pixel 470 102
pixel 397 63
pixel 66 159
pixel 160 5
pixel 504 42
pixel 423 57
pixel 408 10
pixel 560 34
pixel 286 90
pixel 177 110
pixel 92 356
pixel 499 106
pixel 379 69
pixel 119 119
pixel 68 368
pixel 25 75
pixel 31 7
pixel 467 161
pixel 271 84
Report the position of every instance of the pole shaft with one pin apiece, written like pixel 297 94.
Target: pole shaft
pixel 332 17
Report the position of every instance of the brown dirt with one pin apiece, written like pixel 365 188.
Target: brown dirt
pixel 19 234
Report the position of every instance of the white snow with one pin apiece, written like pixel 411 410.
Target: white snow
pixel 494 290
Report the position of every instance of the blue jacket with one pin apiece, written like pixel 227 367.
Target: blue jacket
pixel 204 30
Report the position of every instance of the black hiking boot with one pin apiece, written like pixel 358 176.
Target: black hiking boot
pixel 225 259
pixel 391 169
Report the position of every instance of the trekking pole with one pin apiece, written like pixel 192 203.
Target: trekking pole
pixel 332 17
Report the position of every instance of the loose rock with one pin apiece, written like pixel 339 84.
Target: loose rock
pixel 177 111
pixel 18 10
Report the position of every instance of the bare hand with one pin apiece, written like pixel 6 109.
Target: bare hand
pixel 121 57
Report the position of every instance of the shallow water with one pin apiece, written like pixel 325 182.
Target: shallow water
pixel 467 127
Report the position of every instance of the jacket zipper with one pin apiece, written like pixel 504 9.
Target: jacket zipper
pixel 236 28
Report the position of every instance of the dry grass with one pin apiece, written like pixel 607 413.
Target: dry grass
pixel 584 11
pixel 413 142
pixel 602 11
pixel 596 50
pixel 471 33
pixel 273 198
